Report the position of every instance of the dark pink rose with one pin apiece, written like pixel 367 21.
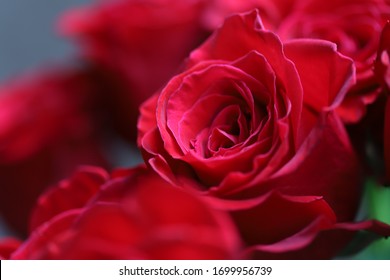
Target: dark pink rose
pixel 139 44
pixel 134 215
pixel 46 129
pixel 251 124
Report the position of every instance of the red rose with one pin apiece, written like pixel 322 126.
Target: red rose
pixel 245 113
pixel 46 129
pixel 134 215
pixel 251 123
pixel 139 45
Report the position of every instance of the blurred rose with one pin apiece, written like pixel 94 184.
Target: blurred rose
pixel 355 26
pixel 139 44
pixel 252 123
pixel 272 12
pixel 134 215
pixel 46 129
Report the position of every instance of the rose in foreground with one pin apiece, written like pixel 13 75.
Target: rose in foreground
pixel 251 124
pixel 131 214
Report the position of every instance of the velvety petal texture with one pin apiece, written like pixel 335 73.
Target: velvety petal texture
pixel 239 115
pixel 252 124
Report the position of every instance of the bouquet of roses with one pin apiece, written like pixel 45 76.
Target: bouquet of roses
pixel 264 126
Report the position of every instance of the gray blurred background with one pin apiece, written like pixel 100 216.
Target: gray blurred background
pixel 28 38
pixel 27 34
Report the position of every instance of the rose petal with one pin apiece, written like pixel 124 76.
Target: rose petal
pixel 39 240
pixel 309 168
pixel 326 75
pixel 8 246
pixel 268 222
pixel 314 244
pixel 70 194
